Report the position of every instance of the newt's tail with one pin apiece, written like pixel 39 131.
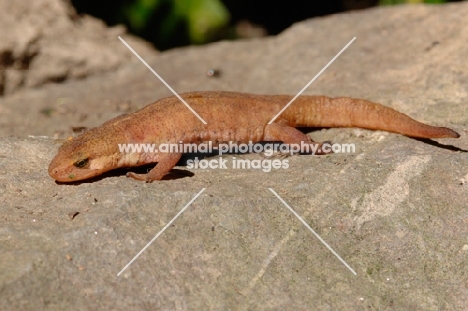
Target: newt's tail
pixel 321 111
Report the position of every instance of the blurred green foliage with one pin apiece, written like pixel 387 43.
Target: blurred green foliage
pixel 390 2
pixel 171 23
pixel 199 19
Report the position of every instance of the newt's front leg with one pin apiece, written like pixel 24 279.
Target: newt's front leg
pixel 166 163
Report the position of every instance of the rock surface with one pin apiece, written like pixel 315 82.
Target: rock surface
pixel 396 210
pixel 46 41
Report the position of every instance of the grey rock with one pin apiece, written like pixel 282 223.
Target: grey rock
pixel 47 41
pixel 395 211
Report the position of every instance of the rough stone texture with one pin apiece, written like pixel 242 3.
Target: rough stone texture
pixel 46 41
pixel 396 210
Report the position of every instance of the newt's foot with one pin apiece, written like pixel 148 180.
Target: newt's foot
pixel 324 148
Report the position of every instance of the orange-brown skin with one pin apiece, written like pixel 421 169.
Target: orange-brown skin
pixel 230 116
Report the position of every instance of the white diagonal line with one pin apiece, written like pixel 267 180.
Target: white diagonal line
pixel 316 76
pixel 312 230
pixel 160 232
pixel 162 80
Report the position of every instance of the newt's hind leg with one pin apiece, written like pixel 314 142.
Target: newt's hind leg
pixel 165 164
pixel 290 135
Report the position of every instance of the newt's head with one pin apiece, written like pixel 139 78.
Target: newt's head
pixel 83 157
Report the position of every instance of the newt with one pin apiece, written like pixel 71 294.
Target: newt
pixel 230 116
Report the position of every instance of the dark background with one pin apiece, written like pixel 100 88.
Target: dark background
pixel 166 31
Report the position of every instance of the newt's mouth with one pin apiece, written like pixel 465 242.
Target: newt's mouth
pixel 70 173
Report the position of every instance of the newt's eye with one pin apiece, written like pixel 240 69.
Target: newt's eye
pixel 81 163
